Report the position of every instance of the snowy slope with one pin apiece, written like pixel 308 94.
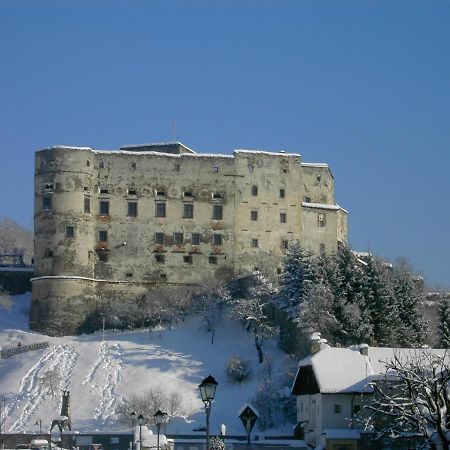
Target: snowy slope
pixel 100 373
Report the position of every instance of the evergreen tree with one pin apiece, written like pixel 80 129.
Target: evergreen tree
pixel 444 322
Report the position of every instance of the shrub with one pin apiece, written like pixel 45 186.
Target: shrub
pixel 238 369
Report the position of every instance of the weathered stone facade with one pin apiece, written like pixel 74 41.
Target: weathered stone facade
pixel 118 223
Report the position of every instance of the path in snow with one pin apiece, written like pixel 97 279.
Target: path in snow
pixel 104 376
pixel 33 390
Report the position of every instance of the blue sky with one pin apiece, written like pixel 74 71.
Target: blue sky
pixel 363 85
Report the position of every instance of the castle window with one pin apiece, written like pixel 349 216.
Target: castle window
pixel 283 217
pixel 48 253
pixel 187 194
pixel 88 163
pixel 129 274
pixel 133 165
pixel 102 236
pixel 132 192
pixel 160 258
pixel 162 275
pixel 217 212
pixel 104 207
pixel 48 187
pixel 307 199
pixel 70 231
pixel 216 169
pixel 160 193
pixel 87 204
pixel 212 259
pixel 188 211
pixel 178 238
pixel 160 209
pixel 217 239
pixel 321 222
pixel 195 238
pixel 47 203
pixel 85 188
pixel 282 193
pixel 187 259
pixel 254 243
pixel 217 195
pixel 251 168
pixel 253 215
pixel 104 191
pixel 278 270
pixel 159 238
pixel 254 190
pixel 284 245
pixel 132 209
pixel 101 165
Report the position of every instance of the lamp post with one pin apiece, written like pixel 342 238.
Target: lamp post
pixel 39 422
pixel 208 391
pixel 133 422
pixel 159 417
pixel 141 421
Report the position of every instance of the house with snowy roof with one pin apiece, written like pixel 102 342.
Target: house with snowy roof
pixel 331 385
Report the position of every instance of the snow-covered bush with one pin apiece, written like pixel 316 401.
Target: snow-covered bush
pixel 238 369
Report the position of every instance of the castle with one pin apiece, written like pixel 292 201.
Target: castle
pixel 119 223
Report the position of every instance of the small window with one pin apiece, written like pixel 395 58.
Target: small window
pixel 160 209
pixel 283 217
pixel 133 165
pixel 48 253
pixel 284 245
pixel 212 259
pixel 47 203
pixel 102 236
pixel 161 193
pixel 132 209
pixel 254 243
pixel 216 169
pixel 70 231
pixel 321 222
pixel 101 165
pixel 217 239
pixel 217 212
pixel 162 275
pixel 187 259
pixel 337 409
pixel 129 274
pixel 251 168
pixel 87 204
pixel 253 215
pixel 254 190
pixel 188 211
pixel 85 188
pixel 282 193
pixel 356 409
pixel 160 258
pixel 177 167
pixel 104 207
pixel 188 194
pixel 307 199
pixel 278 270
pixel 159 238
pixel 88 163
pixel 322 249
pixel 178 238
pixel 132 192
pixel 216 195
pixel 104 191
pixel 48 186
pixel 195 238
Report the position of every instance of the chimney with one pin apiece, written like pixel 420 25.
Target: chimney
pixel 364 349
pixel 314 343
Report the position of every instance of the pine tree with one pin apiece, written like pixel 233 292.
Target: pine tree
pixel 444 322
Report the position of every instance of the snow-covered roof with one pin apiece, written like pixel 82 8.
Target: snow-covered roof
pixel 323 206
pixel 263 152
pixel 321 165
pixel 346 370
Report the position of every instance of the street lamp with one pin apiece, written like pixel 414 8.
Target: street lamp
pixel 141 421
pixel 39 422
pixel 207 391
pixel 159 417
pixel 133 422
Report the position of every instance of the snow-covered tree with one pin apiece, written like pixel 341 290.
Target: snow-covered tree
pixel 444 321
pixel 413 399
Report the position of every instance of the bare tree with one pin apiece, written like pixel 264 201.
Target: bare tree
pixel 412 398
pixel 51 381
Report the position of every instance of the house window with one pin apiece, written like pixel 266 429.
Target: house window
pixel 132 209
pixel 216 169
pixel 87 204
pixel 284 245
pixel 188 211
pixel 254 190
pixel 282 193
pixel 307 199
pixel 195 238
pixel 102 236
pixel 283 217
pixel 356 409
pixel 254 243
pixel 212 259
pixel 178 238
pixel 47 203
pixel 159 238
pixel 217 239
pixel 70 231
pixel 217 212
pixel 253 215
pixel 160 258
pixel 321 222
pixel 104 207
pixel 160 209
pixel 187 259
pixel 337 409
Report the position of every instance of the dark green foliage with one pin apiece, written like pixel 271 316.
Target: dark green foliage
pixel 444 322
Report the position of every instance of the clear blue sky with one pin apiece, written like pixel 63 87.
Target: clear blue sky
pixel 363 85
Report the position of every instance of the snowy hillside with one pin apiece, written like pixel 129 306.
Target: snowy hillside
pixel 100 373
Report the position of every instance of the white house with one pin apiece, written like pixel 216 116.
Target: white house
pixel 330 385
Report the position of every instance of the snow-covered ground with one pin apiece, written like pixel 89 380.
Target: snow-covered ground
pixel 99 374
